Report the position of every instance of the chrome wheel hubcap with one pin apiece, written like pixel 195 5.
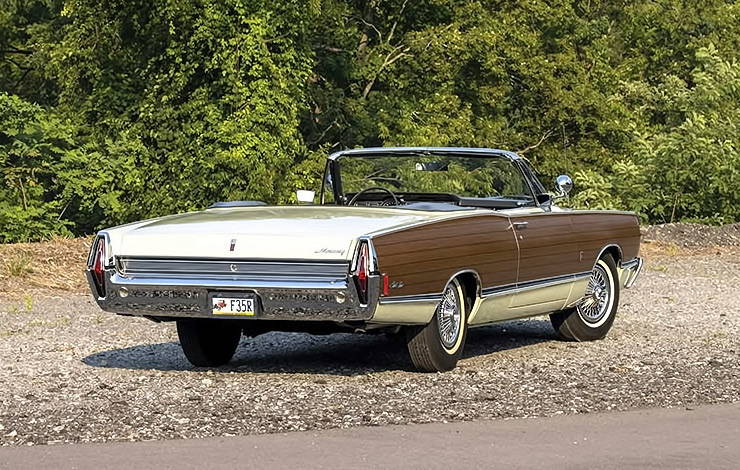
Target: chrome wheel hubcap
pixel 449 318
pixel 595 303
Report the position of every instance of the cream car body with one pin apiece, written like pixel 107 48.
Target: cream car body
pixel 368 266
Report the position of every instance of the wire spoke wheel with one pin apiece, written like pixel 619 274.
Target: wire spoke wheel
pixel 596 302
pixel 449 317
pixel 593 315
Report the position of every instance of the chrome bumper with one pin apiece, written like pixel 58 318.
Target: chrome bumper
pixel 629 271
pixel 278 299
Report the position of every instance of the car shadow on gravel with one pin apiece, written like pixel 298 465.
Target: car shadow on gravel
pixel 336 354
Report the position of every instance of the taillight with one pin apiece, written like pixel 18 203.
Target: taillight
pixel 362 271
pixel 98 266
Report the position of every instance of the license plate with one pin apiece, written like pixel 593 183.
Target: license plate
pixel 233 305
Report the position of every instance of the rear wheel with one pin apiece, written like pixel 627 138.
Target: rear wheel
pixel 207 342
pixel 593 316
pixel 437 346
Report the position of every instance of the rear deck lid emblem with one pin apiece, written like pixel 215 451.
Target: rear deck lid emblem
pixel 232 245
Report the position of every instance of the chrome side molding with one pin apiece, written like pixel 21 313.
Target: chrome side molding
pixel 632 269
pixel 529 285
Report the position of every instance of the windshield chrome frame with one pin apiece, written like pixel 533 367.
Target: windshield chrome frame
pixel 332 164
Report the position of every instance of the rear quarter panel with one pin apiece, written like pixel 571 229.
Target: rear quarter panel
pixel 425 257
pixel 596 230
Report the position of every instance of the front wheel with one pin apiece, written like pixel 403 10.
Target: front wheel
pixel 437 346
pixel 594 314
pixel 208 342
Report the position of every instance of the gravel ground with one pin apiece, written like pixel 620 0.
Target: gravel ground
pixel 694 235
pixel 72 373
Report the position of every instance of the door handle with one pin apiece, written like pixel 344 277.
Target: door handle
pixel 520 225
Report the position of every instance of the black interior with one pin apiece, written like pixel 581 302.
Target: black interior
pixel 437 201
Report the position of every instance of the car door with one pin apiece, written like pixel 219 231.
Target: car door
pixel 548 259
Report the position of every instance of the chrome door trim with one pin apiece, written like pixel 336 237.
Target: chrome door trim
pixel 536 284
pixel 412 298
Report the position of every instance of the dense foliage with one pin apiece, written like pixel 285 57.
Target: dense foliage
pixel 116 110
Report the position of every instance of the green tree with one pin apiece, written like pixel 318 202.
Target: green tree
pixel 33 149
pixel 168 105
pixel 187 103
pixel 693 161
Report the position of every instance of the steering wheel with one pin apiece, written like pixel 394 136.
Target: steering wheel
pixel 374 188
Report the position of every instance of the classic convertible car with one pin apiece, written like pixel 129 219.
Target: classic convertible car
pixel 426 242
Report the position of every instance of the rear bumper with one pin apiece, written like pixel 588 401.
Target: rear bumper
pixel 278 300
pixel 629 271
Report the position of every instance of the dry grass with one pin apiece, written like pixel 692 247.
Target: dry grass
pixel 650 249
pixel 56 265
pixel 18 265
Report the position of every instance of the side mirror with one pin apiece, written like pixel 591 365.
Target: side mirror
pixel 565 184
pixel 304 196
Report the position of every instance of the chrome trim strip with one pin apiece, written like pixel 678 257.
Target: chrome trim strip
pixel 494 291
pixel 434 150
pixel 443 217
pixel 371 250
pixel 536 284
pixel 603 250
pixel 234 269
pixel 108 250
pixel 498 290
pixel 118 280
pixel 631 263
pixel 553 280
pixel 411 298
pixel 583 211
pixel 634 267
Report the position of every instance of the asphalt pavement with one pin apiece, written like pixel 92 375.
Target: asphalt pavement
pixel 705 437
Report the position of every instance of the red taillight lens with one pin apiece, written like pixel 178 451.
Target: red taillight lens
pixel 98 267
pixel 386 285
pixel 362 272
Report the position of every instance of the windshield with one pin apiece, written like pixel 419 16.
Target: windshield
pixel 466 176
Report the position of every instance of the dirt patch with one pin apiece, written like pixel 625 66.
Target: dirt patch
pixel 53 266
pixel 693 235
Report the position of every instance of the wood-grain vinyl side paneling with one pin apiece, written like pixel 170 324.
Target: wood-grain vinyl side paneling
pixel 424 258
pixel 553 244
pixel 548 246
pixel 556 243
pixel 599 230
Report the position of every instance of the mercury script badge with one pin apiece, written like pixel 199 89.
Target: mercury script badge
pixel 329 251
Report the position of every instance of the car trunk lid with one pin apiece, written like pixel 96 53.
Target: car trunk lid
pixel 265 232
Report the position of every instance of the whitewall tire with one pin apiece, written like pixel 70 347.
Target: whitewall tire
pixel 437 346
pixel 593 316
